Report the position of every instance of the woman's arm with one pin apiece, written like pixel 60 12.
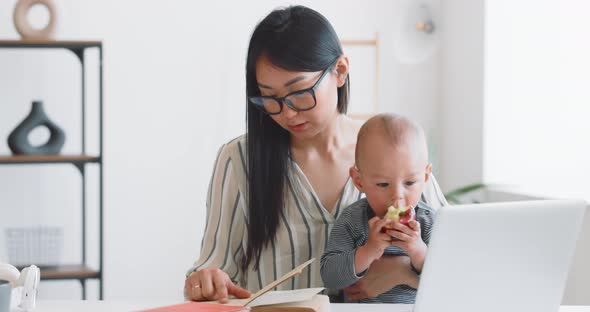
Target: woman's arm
pixel 383 275
pixel 214 273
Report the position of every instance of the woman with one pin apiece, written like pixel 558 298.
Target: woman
pixel 276 191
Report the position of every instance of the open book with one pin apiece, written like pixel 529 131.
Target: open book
pixel 299 300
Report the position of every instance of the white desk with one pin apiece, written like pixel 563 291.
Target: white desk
pixel 95 306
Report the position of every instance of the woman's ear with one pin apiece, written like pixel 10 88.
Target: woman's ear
pixel 356 177
pixel 428 172
pixel 342 67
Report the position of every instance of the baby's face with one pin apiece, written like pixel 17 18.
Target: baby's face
pixel 393 175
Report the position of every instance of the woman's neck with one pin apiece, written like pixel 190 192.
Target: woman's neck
pixel 331 139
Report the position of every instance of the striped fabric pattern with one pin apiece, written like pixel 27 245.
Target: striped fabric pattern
pixel 350 232
pixel 303 232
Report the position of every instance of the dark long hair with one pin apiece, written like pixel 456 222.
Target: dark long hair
pixel 294 38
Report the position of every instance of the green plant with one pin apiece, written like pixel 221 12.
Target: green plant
pixel 454 196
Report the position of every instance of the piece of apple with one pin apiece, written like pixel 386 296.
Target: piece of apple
pixel 407 215
pixel 402 215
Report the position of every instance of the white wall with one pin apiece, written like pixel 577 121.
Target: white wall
pixel 174 92
pixel 461 85
pixel 462 79
pixel 536 96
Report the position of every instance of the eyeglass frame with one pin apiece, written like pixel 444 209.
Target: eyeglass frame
pixel 281 100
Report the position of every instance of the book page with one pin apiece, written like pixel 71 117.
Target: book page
pixel 284 296
pixel 199 306
pixel 318 303
pixel 295 271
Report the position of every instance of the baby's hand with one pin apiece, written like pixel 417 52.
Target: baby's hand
pixel 374 246
pixel 378 240
pixel 410 240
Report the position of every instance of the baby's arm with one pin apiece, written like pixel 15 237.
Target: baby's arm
pixel 337 266
pixel 343 262
pixel 414 238
pixel 410 240
pixel 374 247
pixel 418 252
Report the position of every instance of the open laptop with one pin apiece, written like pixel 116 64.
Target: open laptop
pixel 500 257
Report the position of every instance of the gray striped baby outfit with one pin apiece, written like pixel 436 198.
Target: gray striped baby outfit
pixel 350 232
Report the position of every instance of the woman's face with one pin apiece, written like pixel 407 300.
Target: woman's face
pixel 277 82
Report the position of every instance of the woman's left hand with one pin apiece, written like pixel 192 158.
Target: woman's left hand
pixel 410 240
pixel 384 274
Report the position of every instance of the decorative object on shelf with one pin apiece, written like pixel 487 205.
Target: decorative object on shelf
pixel 39 245
pixel 417 34
pixel 18 140
pixel 24 27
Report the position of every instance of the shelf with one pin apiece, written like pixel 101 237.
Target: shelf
pixel 48 159
pixel 58 44
pixel 79 49
pixel 63 272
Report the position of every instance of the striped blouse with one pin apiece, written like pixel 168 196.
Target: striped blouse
pixel 302 234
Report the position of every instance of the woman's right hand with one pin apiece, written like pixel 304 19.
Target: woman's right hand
pixel 212 284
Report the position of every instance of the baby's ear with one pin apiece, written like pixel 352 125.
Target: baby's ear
pixel 355 175
pixel 428 172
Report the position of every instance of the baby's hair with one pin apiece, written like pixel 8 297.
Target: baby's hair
pixel 396 129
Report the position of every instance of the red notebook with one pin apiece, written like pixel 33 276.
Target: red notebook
pixel 199 307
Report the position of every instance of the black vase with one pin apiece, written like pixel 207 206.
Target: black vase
pixel 18 140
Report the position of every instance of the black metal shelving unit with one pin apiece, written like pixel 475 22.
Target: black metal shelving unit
pixel 81 272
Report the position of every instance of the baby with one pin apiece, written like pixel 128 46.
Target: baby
pixel 391 168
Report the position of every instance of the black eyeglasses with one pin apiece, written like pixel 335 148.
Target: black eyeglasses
pixel 299 101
